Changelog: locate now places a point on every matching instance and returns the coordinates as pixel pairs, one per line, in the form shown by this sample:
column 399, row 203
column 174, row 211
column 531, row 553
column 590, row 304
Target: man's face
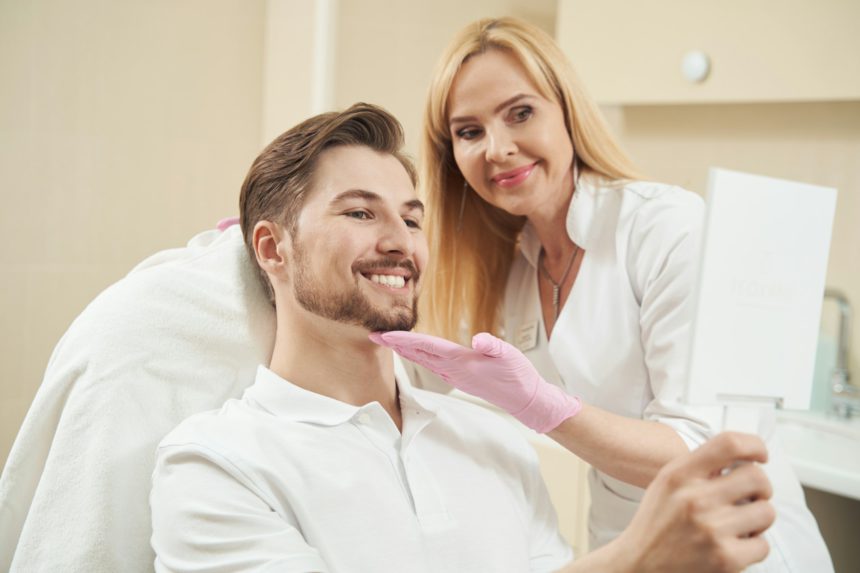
column 358, row 247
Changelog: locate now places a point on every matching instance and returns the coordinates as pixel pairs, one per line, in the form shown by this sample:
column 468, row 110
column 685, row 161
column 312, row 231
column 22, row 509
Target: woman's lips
column 513, row 177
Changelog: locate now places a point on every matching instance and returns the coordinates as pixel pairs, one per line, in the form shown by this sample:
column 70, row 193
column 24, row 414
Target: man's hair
column 281, row 176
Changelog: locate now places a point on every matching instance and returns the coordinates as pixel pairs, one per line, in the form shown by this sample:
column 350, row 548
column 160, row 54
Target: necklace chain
column 556, row 286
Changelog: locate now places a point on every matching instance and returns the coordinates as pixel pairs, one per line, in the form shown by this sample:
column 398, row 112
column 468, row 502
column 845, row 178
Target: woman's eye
column 522, row 113
column 412, row 223
column 468, row 133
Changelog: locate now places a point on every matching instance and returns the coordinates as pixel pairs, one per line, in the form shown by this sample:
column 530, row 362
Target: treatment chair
column 182, row 333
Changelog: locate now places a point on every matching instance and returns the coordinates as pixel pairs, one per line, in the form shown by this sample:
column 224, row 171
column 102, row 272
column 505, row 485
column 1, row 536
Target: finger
column 747, row 520
column 432, row 362
column 719, row 453
column 432, row 345
column 421, row 358
column 746, row 551
column 377, row 338
column 742, row 529
column 741, row 484
column 488, row 345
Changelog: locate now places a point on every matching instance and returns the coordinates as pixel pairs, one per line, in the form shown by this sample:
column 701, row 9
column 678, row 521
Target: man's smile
column 393, row 281
column 395, row 275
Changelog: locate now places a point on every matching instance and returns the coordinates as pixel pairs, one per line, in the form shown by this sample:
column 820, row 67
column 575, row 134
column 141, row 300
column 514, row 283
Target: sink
column 823, row 450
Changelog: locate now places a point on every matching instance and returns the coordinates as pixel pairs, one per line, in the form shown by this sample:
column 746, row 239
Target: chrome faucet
column 845, row 395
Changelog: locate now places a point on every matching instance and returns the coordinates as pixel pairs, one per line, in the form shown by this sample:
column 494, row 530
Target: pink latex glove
column 493, row 370
column 226, row 223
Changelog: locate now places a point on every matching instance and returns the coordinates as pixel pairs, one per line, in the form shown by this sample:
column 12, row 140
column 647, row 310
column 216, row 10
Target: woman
column 542, row 232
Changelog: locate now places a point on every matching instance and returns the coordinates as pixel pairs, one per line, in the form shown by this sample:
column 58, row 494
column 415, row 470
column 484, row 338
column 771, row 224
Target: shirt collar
column 286, row 400
column 409, row 396
column 581, row 223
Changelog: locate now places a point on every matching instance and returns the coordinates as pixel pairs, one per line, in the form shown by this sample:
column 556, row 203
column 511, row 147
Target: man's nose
column 500, row 145
column 397, row 238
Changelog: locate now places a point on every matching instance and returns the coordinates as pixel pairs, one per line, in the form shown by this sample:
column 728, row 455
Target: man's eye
column 358, row 214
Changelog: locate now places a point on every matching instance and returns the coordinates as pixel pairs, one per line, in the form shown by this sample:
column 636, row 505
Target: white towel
column 182, row 333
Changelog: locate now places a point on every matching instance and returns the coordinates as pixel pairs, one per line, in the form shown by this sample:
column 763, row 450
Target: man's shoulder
column 225, row 424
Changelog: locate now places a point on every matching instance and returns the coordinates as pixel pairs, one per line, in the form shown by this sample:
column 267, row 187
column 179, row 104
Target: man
column 330, row 462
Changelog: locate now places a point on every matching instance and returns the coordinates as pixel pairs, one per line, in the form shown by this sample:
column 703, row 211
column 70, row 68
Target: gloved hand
column 493, row 370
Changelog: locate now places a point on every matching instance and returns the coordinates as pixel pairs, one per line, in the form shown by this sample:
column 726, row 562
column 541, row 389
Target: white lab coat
column 621, row 341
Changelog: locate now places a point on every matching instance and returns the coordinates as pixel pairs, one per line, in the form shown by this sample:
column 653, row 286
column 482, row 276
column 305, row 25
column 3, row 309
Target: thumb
column 488, row 345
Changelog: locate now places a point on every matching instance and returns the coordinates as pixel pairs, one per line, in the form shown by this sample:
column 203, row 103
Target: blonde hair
column 472, row 242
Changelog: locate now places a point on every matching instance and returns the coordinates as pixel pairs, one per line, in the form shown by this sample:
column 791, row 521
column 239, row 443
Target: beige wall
column 387, row 49
column 125, row 128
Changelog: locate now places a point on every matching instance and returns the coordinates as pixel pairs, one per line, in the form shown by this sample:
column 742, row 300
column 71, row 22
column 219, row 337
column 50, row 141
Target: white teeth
column 389, row 280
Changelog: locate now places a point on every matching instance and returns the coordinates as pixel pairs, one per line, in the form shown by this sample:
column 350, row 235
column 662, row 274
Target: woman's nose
column 500, row 146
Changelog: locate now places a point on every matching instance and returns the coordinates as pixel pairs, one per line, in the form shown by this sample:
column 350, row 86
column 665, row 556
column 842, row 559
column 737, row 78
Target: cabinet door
column 759, row 50
column 566, row 478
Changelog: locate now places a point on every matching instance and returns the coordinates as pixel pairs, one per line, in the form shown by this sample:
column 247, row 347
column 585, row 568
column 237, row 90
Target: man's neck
column 335, row 360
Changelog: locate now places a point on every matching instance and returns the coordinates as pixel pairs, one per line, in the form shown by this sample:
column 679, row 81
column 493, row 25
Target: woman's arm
column 661, row 264
column 627, row 449
column 661, row 248
column 630, row 450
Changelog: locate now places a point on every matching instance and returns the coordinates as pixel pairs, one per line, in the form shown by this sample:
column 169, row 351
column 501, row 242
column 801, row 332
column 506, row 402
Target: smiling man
column 330, row 462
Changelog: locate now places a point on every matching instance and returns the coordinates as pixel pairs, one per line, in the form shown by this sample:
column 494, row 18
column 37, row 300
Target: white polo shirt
column 288, row 480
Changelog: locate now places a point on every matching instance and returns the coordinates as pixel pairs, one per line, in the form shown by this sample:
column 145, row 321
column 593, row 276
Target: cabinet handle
column 695, row 66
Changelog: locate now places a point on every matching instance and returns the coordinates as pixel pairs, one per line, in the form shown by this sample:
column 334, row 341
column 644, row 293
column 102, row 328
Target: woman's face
column 509, row 141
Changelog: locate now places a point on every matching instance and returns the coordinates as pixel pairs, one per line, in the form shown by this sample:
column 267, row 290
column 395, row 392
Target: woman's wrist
column 549, row 408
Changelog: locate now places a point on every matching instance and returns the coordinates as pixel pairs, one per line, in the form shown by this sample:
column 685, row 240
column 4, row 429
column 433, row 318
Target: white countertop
column 823, row 450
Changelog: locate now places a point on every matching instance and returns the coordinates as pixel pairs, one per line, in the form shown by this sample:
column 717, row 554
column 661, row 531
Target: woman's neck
column 550, row 226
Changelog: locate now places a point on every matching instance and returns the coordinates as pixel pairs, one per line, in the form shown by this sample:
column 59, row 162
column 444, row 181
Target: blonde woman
column 543, row 233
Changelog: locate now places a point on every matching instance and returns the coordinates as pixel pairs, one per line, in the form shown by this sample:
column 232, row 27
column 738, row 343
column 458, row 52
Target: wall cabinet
column 756, row 50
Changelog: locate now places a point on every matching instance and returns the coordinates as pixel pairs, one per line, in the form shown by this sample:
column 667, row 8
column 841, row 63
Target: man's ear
column 269, row 240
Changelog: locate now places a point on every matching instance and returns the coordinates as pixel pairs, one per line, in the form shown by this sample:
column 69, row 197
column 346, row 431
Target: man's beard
column 353, row 306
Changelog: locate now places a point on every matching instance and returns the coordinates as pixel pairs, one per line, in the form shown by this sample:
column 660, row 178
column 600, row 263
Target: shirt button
column 364, row 419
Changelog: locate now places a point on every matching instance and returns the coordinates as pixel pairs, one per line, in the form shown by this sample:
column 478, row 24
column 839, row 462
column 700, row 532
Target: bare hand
column 704, row 511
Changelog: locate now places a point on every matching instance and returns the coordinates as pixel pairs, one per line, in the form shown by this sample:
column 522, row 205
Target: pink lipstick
column 513, row 177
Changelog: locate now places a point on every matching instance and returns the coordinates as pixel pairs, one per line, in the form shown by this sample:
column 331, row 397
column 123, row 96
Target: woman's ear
column 268, row 239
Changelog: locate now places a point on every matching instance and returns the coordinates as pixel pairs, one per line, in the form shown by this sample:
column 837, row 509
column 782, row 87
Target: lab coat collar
column 286, row 400
column 581, row 223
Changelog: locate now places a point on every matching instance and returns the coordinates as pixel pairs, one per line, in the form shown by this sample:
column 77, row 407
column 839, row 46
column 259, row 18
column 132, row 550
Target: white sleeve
column 207, row 516
column 662, row 262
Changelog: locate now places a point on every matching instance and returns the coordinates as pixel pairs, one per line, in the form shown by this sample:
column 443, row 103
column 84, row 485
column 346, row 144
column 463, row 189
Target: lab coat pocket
column 613, row 504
